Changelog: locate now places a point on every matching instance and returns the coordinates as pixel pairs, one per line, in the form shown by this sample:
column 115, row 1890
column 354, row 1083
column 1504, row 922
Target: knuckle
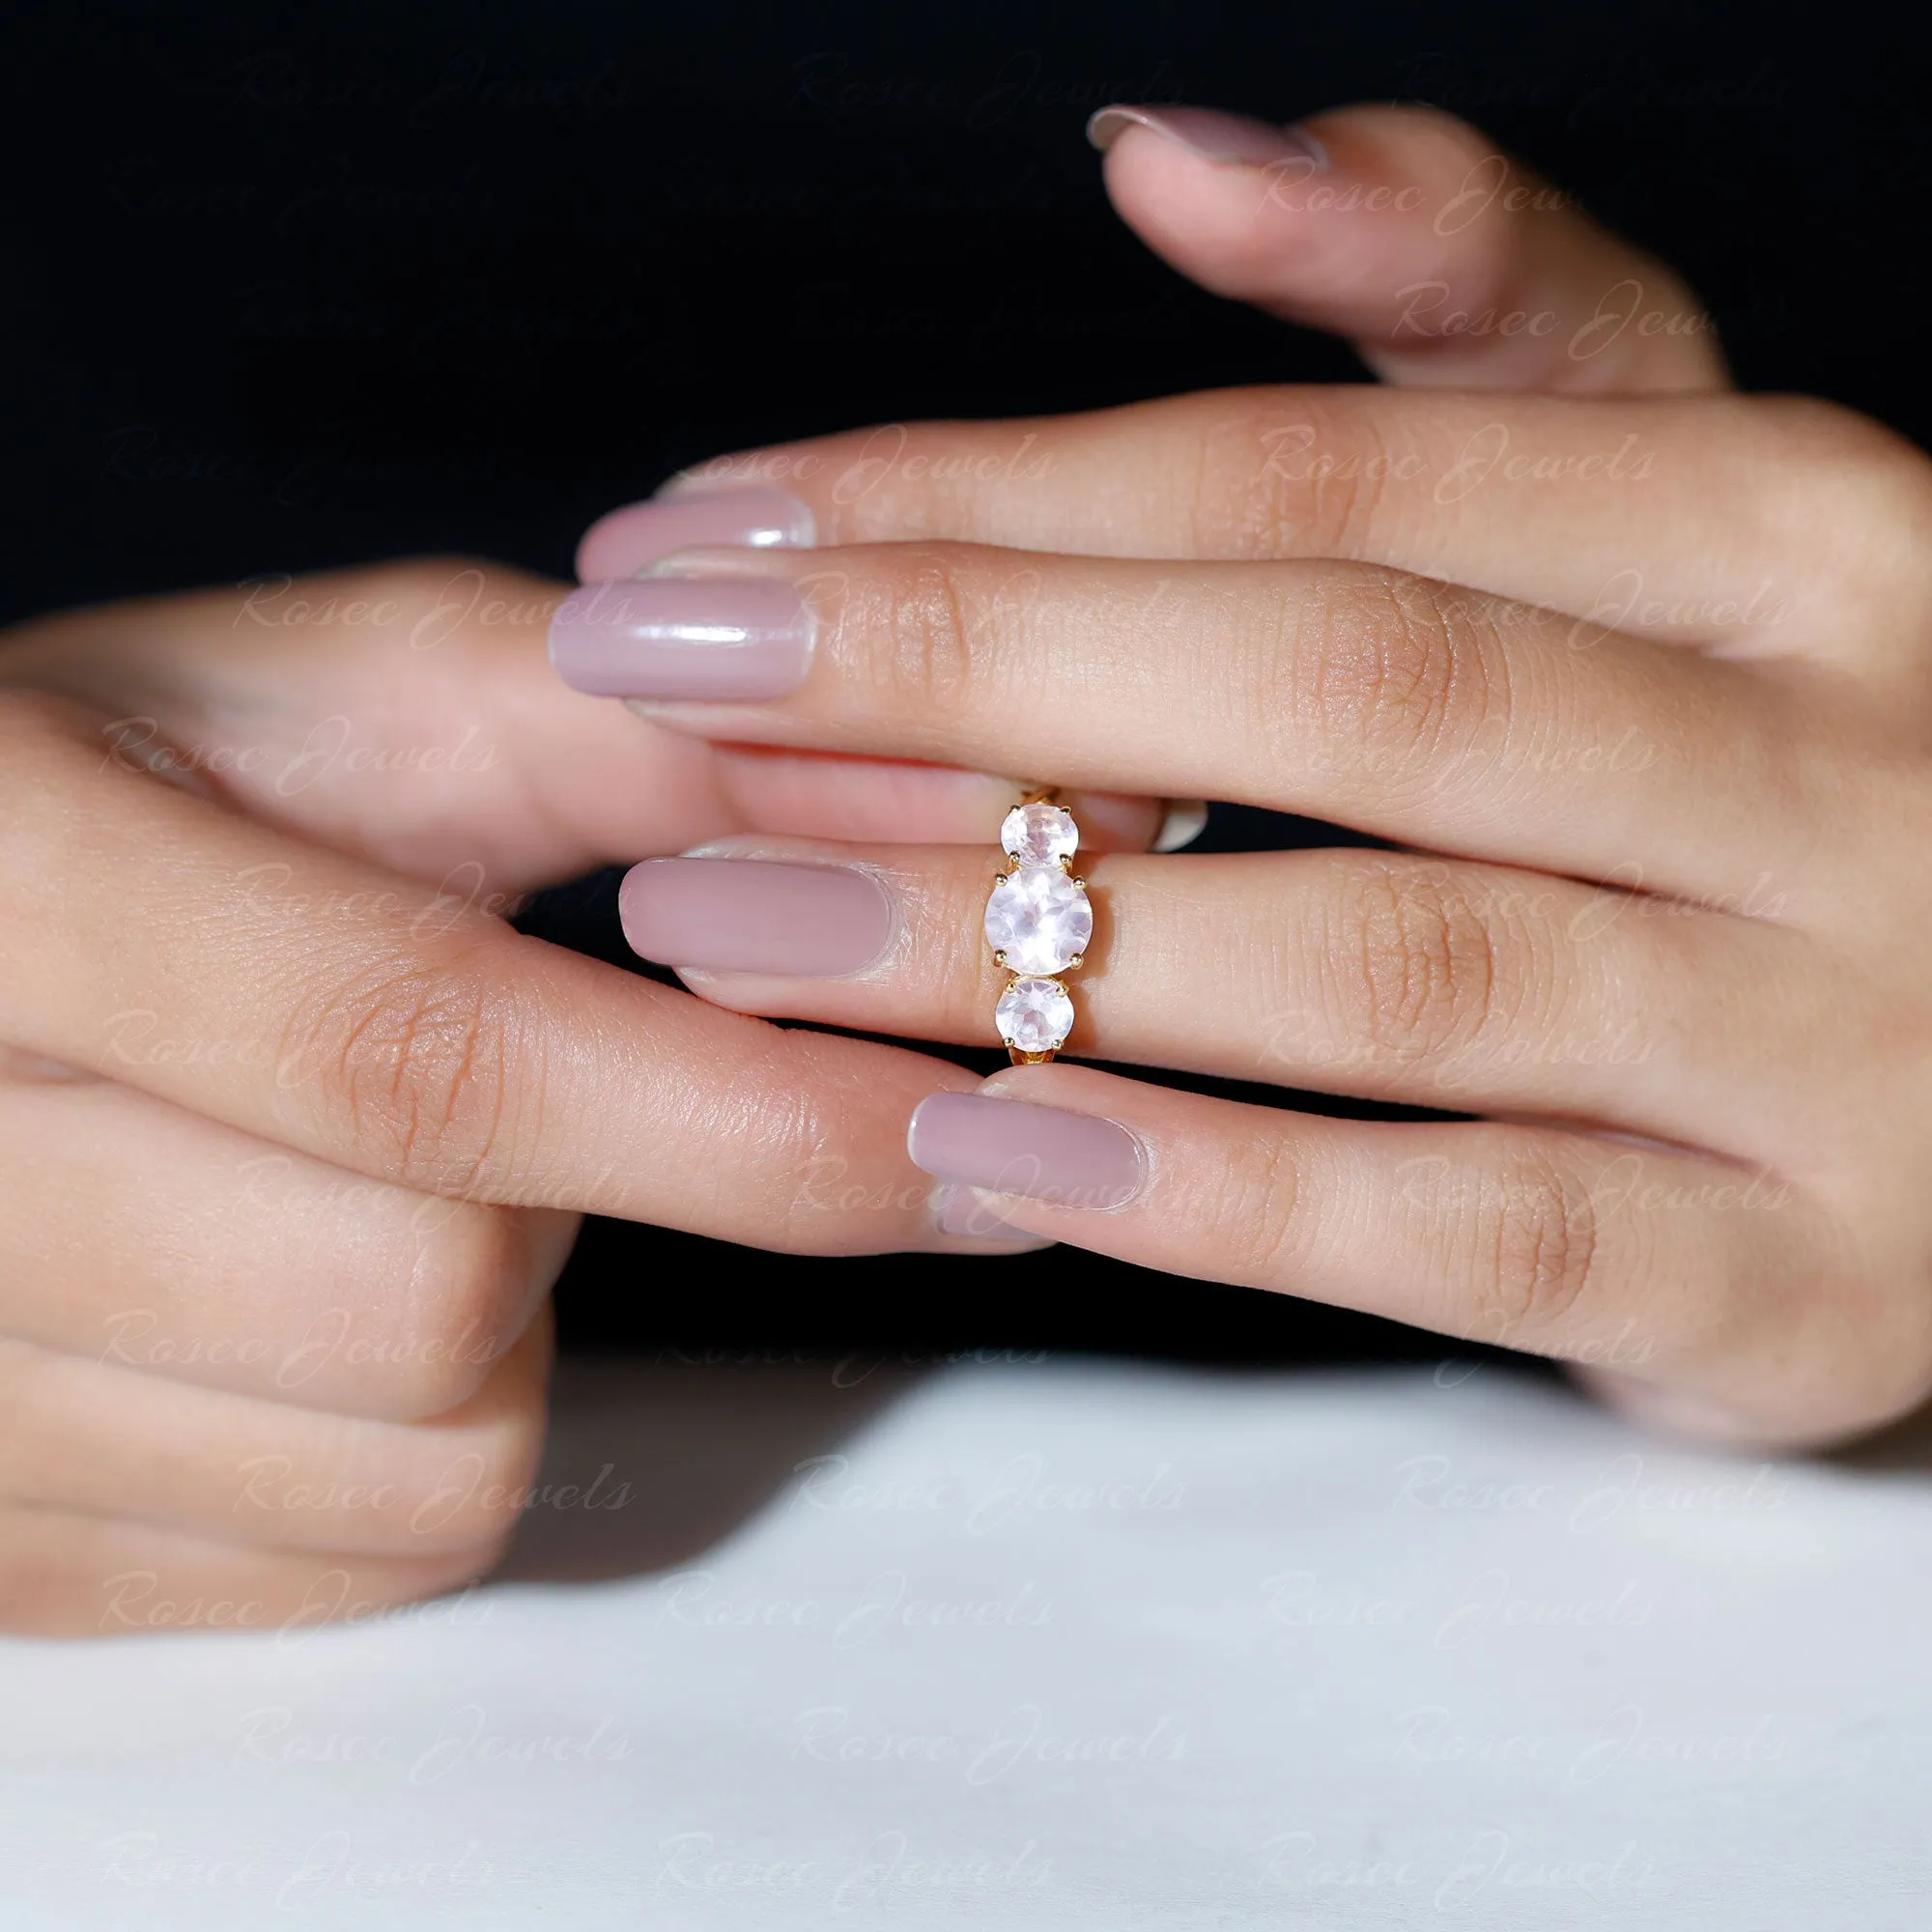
column 798, row 1189
column 1286, row 473
column 1539, row 1250
column 916, row 631
column 1865, row 483
column 1256, row 1211
column 1414, row 683
column 464, row 1309
column 1872, row 1359
column 1411, row 965
column 426, row 1062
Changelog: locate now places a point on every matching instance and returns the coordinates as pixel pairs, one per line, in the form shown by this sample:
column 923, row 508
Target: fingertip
column 1319, row 221
column 1211, row 135
column 1214, row 195
column 1409, row 232
column 974, row 1220
column 1115, row 821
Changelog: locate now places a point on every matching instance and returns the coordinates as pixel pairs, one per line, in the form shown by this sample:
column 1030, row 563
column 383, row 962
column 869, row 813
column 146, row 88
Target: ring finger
column 1385, row 976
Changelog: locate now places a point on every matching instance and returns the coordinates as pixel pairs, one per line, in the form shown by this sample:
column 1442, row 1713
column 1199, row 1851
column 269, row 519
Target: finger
column 1387, row 975
column 1394, row 704
column 151, row 1242
column 1446, row 263
column 1679, row 518
column 1698, row 1274
column 356, row 1017
column 68, row 1575
column 406, row 715
column 1671, row 1411
column 107, row 1441
column 771, row 786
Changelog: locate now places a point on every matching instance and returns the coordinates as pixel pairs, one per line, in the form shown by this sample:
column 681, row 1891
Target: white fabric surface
column 1051, row 1646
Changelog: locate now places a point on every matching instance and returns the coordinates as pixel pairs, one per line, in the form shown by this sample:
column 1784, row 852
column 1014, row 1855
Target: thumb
column 1445, row 263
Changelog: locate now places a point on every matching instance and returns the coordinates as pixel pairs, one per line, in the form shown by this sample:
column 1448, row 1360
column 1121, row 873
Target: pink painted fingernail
column 1013, row 1147
column 1232, row 140
column 629, row 539
column 755, row 916
column 698, row 639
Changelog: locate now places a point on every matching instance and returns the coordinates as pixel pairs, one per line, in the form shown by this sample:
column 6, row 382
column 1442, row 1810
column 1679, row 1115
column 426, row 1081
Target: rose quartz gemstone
column 1039, row 919
column 1039, row 834
column 1034, row 1016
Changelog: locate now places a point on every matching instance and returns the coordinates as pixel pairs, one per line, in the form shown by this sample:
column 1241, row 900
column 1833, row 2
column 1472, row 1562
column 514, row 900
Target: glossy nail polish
column 632, row 539
column 700, row 640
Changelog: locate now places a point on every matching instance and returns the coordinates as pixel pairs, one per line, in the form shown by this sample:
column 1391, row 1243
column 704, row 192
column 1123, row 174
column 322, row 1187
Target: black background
column 284, row 287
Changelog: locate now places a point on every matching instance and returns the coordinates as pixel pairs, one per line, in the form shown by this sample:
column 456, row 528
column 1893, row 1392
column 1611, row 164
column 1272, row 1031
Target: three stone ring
column 1039, row 922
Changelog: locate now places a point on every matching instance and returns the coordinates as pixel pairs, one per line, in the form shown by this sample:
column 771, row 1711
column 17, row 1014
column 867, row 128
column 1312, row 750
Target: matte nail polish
column 630, row 540
column 1013, row 1147
column 755, row 916
column 1232, row 140
column 695, row 638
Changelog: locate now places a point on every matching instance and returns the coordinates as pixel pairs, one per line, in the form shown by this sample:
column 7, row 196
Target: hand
column 1634, row 688
column 296, row 1130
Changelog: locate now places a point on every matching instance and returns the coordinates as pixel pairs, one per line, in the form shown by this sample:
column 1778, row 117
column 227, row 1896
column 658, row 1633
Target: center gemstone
column 1040, row 919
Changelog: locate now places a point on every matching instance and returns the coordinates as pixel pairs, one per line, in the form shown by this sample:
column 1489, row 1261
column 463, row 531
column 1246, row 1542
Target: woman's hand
column 296, row 1130
column 1638, row 692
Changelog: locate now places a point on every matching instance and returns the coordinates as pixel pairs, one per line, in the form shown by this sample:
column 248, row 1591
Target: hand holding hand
column 1634, row 688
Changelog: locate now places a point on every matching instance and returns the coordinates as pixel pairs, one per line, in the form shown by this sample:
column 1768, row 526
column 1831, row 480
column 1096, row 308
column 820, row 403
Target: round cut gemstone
column 1039, row 919
column 1039, row 834
column 1034, row 1016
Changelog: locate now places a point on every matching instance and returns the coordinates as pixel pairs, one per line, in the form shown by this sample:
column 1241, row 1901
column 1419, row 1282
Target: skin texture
column 1632, row 674
column 297, row 1129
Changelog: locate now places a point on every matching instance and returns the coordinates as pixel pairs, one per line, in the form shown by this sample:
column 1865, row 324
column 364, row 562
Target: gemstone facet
column 1039, row 834
column 1033, row 1015
column 1039, row 919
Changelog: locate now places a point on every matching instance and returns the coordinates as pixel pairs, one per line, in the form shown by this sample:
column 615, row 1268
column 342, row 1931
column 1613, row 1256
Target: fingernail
column 961, row 1211
column 1232, row 140
column 1185, row 821
column 700, row 638
column 754, row 916
column 1111, row 821
column 625, row 542
column 1013, row 1147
